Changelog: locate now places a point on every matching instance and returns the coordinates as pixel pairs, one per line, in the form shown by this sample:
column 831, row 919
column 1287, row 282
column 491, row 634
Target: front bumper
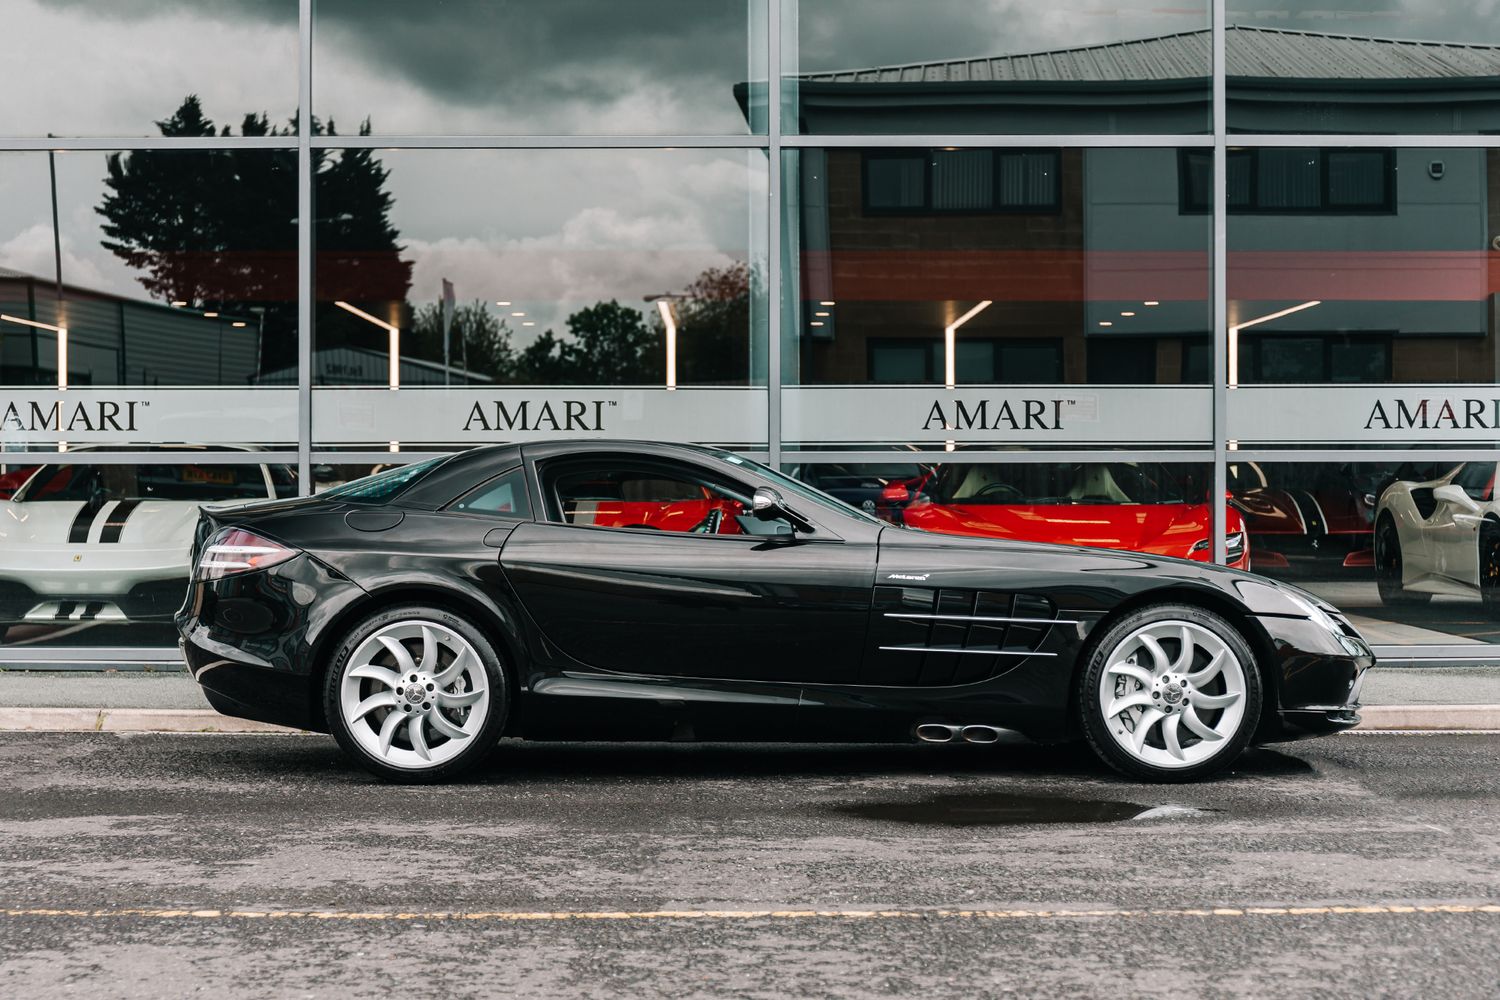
column 251, row 640
column 1316, row 678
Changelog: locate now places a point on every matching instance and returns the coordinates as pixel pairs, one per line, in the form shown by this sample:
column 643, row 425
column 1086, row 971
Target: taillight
column 235, row 550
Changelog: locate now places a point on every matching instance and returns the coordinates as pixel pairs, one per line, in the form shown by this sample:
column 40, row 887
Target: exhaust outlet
column 937, row 732
column 980, row 734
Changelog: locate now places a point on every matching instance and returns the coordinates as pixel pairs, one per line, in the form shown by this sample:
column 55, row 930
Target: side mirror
column 1454, row 494
column 766, row 504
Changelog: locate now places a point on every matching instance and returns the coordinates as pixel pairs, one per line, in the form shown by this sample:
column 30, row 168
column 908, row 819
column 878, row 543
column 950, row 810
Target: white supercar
column 111, row 542
column 1440, row 537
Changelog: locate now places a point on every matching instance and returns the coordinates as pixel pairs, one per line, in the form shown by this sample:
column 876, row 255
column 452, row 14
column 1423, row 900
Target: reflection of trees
column 217, row 228
column 606, row 343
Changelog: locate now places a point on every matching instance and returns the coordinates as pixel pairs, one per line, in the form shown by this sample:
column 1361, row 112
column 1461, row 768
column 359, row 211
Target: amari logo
column 1434, row 414
column 84, row 415
column 530, row 415
column 1020, row 415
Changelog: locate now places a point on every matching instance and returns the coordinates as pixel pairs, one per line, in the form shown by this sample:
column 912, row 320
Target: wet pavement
column 266, row 866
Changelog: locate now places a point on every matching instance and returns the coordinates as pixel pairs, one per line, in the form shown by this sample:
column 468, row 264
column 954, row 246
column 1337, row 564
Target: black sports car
column 632, row 590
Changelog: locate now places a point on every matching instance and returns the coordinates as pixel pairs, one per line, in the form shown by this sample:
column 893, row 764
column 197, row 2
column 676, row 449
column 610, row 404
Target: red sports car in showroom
column 1135, row 506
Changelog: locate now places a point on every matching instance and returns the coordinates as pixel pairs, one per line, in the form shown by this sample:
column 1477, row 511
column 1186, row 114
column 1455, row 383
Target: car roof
column 537, row 450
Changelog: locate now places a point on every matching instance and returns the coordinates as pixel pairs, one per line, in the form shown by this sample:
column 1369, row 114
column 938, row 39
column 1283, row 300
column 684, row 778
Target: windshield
column 195, row 483
column 382, row 485
column 798, row 488
column 1049, row 483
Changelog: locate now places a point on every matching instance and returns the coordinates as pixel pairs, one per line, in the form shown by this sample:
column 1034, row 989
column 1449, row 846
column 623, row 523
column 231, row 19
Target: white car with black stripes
column 110, row 542
column 1441, row 536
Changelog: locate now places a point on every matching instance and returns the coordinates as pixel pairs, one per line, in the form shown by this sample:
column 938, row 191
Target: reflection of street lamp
column 62, row 353
column 395, row 340
column 666, row 305
column 260, row 338
column 394, row 348
column 1234, row 336
column 950, row 343
column 62, row 344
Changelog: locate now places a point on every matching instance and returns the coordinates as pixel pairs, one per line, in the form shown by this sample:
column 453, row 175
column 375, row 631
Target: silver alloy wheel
column 414, row 694
column 1172, row 694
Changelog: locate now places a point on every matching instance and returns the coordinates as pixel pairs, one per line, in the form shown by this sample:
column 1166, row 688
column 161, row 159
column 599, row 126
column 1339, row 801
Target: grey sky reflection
column 569, row 224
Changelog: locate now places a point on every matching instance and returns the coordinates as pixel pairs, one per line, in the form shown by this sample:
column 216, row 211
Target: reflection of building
column 1276, row 80
column 113, row 340
column 365, row 366
column 905, row 244
column 1093, row 265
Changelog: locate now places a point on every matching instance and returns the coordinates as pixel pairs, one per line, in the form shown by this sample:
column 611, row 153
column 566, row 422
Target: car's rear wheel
column 1388, row 568
column 416, row 694
column 1171, row 693
column 1489, row 567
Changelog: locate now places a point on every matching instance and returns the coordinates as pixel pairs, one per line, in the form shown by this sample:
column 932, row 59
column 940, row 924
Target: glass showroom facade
column 1189, row 280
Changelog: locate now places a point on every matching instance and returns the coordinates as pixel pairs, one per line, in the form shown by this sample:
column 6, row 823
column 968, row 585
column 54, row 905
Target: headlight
column 1315, row 613
column 1234, row 545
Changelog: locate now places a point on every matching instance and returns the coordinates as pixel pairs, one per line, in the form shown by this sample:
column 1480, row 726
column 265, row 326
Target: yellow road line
column 514, row 916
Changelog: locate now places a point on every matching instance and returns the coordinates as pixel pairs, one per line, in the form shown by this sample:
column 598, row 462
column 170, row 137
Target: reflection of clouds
column 113, row 68
column 555, row 67
column 555, row 231
column 561, row 66
column 849, row 34
column 31, row 251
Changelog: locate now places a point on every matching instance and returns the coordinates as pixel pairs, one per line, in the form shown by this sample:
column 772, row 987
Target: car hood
column 45, row 524
column 1161, row 529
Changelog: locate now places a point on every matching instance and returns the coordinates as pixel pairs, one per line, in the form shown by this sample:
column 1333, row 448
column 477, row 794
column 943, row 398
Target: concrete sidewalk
column 1397, row 698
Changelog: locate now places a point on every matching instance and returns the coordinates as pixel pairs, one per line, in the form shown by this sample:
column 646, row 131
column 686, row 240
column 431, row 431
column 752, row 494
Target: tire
column 1388, row 568
column 421, row 731
column 1489, row 567
column 1208, row 705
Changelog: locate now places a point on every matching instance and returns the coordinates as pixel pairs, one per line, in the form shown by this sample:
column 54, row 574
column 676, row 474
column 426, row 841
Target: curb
column 1379, row 718
column 1375, row 719
column 128, row 720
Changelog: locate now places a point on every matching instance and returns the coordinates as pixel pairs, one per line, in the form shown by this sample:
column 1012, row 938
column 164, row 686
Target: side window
column 503, row 496
column 656, row 498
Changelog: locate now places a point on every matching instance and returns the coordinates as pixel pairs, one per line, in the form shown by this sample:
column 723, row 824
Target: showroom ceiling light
column 1234, row 336
column 950, row 341
column 502, row 303
column 179, row 303
column 210, row 315
column 1105, row 322
column 238, row 324
column 827, row 302
column 1127, row 313
column 1151, row 302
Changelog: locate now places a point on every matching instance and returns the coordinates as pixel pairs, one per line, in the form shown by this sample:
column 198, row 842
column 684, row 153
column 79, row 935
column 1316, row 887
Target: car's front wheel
column 1170, row 693
column 416, row 694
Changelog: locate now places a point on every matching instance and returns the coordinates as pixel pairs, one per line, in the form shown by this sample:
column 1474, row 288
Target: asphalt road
column 151, row 866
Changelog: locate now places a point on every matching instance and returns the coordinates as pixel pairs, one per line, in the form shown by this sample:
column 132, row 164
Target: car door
column 643, row 565
column 1453, row 529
